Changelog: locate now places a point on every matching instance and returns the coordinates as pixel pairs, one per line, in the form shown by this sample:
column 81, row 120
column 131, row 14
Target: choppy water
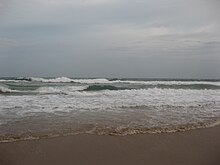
column 36, row 107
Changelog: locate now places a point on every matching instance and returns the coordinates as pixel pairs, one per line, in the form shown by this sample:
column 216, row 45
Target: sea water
column 40, row 107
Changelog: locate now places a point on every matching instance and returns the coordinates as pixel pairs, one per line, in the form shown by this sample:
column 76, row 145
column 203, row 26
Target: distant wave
column 65, row 85
column 184, row 86
column 7, row 80
column 110, row 81
column 167, row 82
column 55, row 80
column 103, row 87
column 70, row 89
column 62, row 80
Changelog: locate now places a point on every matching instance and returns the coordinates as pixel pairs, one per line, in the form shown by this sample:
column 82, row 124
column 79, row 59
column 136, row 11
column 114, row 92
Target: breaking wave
column 103, row 87
column 65, row 80
column 112, row 81
column 61, row 90
column 70, row 89
column 6, row 90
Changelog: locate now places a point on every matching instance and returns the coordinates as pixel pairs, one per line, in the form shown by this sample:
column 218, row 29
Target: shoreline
column 120, row 132
column 196, row 147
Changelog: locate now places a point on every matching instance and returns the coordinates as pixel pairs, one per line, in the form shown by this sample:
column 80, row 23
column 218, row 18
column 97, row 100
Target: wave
column 60, row 90
column 3, row 80
column 168, row 82
column 64, row 80
column 92, row 81
column 69, row 80
column 33, row 85
column 161, row 86
column 30, row 90
column 100, row 89
column 55, row 80
column 106, row 81
column 124, row 131
column 184, row 86
column 6, row 90
column 111, row 81
column 103, row 87
column 109, row 130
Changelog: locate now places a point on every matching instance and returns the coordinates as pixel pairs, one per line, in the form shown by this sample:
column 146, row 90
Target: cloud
column 85, row 30
column 140, row 39
column 10, row 42
column 77, row 2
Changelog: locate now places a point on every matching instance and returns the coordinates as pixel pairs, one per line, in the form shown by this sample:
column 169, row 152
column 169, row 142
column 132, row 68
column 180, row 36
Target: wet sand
column 195, row 147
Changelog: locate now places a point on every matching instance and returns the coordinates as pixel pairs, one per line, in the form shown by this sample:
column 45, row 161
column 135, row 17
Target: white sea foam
column 60, row 89
column 46, row 90
column 6, row 90
column 135, row 108
column 55, row 80
column 68, row 80
column 167, row 82
column 111, row 100
column 93, row 81
column 2, row 80
column 106, row 81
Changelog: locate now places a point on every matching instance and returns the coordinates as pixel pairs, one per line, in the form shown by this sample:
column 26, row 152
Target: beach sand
column 195, row 147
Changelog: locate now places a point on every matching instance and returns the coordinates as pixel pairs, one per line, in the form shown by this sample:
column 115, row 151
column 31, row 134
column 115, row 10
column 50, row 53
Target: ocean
column 32, row 108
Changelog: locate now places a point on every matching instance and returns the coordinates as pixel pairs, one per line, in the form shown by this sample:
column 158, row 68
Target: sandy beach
column 195, row 147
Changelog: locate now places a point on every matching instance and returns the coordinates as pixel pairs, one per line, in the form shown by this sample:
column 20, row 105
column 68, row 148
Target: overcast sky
column 110, row 38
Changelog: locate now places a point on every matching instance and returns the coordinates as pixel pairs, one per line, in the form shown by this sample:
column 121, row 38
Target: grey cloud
column 143, row 38
column 8, row 42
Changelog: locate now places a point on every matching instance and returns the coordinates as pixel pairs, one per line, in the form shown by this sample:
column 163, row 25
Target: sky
column 110, row 38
